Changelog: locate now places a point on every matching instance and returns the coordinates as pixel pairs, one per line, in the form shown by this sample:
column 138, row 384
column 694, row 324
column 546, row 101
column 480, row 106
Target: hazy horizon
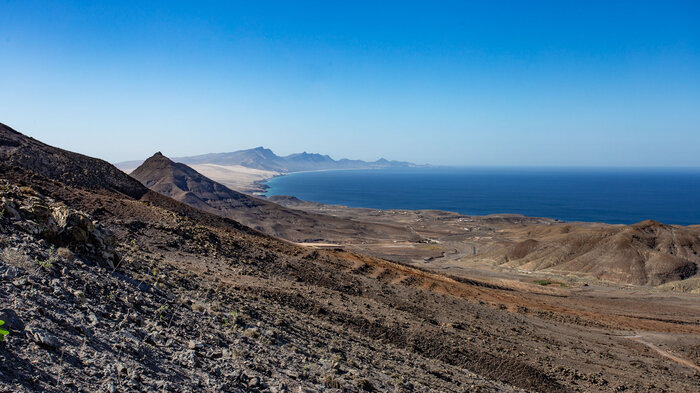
column 540, row 84
column 464, row 166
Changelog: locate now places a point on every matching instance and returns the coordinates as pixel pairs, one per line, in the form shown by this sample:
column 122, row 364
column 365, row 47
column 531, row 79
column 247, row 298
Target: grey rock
column 92, row 319
column 8, row 273
column 35, row 211
column 66, row 217
column 13, row 323
column 194, row 345
column 43, row 338
column 188, row 359
column 281, row 388
column 121, row 369
column 128, row 336
column 12, row 212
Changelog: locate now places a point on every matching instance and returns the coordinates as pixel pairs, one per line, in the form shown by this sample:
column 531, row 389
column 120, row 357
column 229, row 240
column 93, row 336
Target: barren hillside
column 108, row 286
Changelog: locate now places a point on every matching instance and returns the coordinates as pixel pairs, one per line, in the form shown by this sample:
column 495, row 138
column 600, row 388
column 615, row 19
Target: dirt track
column 664, row 353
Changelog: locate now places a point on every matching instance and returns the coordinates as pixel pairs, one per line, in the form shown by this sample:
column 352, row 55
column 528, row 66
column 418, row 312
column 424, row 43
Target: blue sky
column 556, row 83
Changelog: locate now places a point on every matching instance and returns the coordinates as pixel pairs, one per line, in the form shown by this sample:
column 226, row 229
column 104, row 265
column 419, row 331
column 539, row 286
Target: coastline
column 261, row 185
column 561, row 195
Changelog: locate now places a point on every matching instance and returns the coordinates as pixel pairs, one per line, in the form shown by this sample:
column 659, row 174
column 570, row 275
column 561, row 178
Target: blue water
column 616, row 196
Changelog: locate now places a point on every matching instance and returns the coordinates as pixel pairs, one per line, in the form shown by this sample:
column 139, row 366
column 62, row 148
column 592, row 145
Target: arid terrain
column 235, row 177
column 184, row 184
column 647, row 253
column 106, row 285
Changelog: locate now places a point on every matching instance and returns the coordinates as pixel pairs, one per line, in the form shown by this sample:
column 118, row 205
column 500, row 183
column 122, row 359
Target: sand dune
column 235, row 177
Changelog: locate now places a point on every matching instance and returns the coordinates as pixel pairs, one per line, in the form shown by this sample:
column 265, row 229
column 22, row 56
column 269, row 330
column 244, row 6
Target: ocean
column 615, row 196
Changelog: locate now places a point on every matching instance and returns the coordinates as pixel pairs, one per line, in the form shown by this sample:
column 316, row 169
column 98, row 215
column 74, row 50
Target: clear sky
column 609, row 83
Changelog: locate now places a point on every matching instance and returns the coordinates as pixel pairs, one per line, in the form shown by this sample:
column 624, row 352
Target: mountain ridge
column 265, row 159
column 21, row 151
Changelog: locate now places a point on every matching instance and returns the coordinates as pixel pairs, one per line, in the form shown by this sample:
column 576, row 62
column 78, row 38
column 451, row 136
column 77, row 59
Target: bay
column 616, row 196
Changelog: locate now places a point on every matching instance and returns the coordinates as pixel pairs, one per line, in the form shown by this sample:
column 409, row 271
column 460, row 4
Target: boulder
column 68, row 218
column 13, row 323
column 43, row 338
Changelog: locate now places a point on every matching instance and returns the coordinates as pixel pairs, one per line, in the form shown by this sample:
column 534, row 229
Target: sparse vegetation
column 15, row 258
column 430, row 247
column 366, row 385
column 48, row 263
column 231, row 320
column 331, row 382
column 3, row 332
column 547, row 283
column 251, row 333
column 66, row 253
column 161, row 310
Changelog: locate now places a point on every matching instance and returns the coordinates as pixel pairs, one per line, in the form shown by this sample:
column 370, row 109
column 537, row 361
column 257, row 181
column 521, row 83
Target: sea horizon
column 607, row 194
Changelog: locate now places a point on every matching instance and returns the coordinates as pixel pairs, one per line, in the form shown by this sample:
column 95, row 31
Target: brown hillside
column 647, row 253
column 193, row 301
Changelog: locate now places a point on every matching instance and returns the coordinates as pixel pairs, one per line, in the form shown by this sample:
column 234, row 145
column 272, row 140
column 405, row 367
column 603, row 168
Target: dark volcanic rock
column 13, row 323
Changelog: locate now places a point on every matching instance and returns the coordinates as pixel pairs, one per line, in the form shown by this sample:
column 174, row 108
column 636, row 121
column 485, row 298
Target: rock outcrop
column 37, row 215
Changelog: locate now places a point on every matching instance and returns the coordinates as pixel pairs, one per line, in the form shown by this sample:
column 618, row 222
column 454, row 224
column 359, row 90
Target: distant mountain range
column 184, row 184
column 262, row 158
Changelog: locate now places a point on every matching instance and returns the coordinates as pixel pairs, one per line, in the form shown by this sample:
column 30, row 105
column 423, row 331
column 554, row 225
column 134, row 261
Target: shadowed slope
column 71, row 168
column 184, row 184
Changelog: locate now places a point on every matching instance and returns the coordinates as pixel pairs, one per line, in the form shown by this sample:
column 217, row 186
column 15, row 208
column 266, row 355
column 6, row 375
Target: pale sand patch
column 235, row 177
column 127, row 170
column 318, row 244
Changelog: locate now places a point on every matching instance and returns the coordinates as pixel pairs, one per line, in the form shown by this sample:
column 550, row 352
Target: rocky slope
column 80, row 322
column 194, row 302
column 138, row 292
column 19, row 151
